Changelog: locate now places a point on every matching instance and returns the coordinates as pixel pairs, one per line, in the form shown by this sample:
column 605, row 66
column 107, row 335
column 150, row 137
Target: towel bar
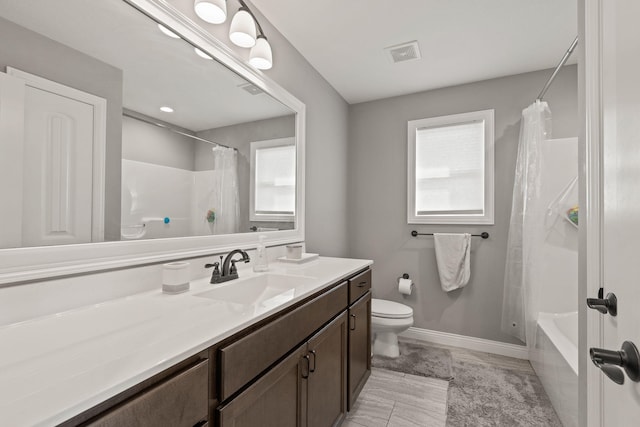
column 484, row 234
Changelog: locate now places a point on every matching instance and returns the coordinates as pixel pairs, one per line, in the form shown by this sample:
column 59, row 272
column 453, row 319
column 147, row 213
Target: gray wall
column 148, row 143
column 46, row 58
column 377, row 192
column 326, row 135
column 240, row 136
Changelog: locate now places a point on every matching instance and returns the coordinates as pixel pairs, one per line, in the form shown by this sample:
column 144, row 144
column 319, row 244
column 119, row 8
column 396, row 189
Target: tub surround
column 57, row 366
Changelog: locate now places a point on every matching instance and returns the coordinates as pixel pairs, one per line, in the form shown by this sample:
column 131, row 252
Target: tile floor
column 395, row 399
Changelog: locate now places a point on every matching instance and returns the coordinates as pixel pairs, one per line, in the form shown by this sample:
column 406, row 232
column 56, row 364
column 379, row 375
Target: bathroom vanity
column 286, row 348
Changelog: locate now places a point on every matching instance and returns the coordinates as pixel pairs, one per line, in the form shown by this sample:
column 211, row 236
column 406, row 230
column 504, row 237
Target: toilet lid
column 390, row 309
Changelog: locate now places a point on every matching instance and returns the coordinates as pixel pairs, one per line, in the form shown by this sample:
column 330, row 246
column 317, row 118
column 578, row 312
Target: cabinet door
column 275, row 400
column 327, row 382
column 359, row 346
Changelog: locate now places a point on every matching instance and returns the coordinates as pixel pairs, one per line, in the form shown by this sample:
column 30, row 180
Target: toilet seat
column 390, row 309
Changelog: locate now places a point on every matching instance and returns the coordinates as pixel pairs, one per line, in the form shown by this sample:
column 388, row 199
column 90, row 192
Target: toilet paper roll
column 405, row 286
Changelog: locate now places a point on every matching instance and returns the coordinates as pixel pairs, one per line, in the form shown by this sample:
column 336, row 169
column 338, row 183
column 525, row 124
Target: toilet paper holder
column 404, row 276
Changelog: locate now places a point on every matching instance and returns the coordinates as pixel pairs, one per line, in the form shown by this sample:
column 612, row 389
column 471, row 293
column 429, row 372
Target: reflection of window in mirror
column 273, row 180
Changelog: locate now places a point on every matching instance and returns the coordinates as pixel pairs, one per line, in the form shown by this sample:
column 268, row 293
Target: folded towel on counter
column 453, row 255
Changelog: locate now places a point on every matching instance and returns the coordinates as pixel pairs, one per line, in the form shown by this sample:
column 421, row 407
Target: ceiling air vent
column 404, row 52
column 251, row 88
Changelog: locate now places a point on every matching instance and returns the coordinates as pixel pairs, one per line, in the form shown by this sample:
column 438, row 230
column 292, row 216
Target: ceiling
column 157, row 70
column 461, row 41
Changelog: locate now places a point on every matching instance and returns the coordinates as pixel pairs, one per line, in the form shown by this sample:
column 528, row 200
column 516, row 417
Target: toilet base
column 386, row 344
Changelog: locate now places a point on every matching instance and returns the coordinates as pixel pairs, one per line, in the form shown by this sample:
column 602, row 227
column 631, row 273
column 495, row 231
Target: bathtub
column 555, row 360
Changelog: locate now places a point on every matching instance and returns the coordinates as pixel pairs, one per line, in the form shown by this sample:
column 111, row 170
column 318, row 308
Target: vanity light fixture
column 201, row 54
column 211, row 11
column 260, row 55
column 168, row 32
column 244, row 31
column 166, row 109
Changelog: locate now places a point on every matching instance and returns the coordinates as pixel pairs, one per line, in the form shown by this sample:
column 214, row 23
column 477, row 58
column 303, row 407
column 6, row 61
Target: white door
column 620, row 246
column 61, row 200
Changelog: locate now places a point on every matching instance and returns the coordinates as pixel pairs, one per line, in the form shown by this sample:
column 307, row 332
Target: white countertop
column 55, row 367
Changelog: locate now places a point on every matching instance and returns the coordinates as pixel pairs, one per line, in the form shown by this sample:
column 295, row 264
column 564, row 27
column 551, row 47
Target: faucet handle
column 233, row 269
column 215, row 276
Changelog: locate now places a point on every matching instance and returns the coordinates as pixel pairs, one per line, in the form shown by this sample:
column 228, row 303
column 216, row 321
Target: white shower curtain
column 526, row 229
column 226, row 203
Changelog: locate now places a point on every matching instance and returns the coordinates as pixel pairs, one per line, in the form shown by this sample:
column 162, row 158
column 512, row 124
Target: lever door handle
column 607, row 305
column 610, row 362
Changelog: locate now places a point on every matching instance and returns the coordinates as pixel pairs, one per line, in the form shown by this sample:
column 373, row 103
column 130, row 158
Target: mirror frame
column 37, row 263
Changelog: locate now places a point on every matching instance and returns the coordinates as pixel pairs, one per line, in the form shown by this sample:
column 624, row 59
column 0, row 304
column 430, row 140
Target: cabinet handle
column 314, row 361
column 362, row 284
column 306, row 375
column 353, row 316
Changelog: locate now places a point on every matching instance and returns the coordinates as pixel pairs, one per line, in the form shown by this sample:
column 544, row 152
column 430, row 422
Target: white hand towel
column 453, row 254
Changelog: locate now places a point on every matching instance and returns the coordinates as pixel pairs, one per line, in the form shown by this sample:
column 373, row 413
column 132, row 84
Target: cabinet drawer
column 275, row 400
column 179, row 401
column 359, row 285
column 245, row 359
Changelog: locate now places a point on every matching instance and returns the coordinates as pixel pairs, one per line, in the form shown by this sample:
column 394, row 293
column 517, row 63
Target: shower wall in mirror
column 121, row 130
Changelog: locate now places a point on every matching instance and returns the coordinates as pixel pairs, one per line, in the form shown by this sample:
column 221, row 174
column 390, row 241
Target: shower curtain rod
column 555, row 72
column 148, row 120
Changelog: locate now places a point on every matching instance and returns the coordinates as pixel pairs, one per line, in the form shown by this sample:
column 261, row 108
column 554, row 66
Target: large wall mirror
column 129, row 135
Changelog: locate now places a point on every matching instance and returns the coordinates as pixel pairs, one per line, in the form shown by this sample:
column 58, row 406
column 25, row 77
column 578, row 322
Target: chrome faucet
column 229, row 269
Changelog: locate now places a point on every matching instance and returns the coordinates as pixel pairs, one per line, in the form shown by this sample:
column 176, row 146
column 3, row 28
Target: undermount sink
column 266, row 290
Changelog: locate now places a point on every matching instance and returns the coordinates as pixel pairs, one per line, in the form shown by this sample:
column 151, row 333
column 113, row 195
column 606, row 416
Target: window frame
column 257, row 145
column 487, row 217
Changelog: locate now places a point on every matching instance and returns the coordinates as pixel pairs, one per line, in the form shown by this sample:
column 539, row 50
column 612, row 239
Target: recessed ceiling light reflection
column 166, row 109
column 201, row 54
column 168, row 32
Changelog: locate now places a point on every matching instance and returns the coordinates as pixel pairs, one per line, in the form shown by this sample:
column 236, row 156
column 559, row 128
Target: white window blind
column 450, row 169
column 273, row 185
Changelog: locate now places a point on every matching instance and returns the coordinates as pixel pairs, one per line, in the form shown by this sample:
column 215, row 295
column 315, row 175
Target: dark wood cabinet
column 359, row 285
column 359, row 346
column 275, row 400
column 306, row 389
column 327, row 382
column 244, row 359
column 301, row 367
column 180, row 401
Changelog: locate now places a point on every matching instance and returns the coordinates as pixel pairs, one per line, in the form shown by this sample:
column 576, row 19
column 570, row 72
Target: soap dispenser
column 262, row 263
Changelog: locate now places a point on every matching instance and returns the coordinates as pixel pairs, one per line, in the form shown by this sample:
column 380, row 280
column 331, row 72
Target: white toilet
column 388, row 319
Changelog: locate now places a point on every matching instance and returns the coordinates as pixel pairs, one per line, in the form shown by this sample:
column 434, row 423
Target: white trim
column 486, row 116
column 24, row 264
column 590, row 271
column 99, row 140
column 471, row 343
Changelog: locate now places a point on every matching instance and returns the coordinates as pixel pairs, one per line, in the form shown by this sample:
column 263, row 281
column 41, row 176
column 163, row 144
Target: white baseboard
column 471, row 343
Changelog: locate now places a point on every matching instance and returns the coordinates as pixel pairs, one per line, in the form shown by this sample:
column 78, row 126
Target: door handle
column 610, row 362
column 353, row 316
column 607, row 305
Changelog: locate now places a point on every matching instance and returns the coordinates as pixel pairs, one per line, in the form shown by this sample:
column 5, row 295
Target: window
column 450, row 175
column 273, row 180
